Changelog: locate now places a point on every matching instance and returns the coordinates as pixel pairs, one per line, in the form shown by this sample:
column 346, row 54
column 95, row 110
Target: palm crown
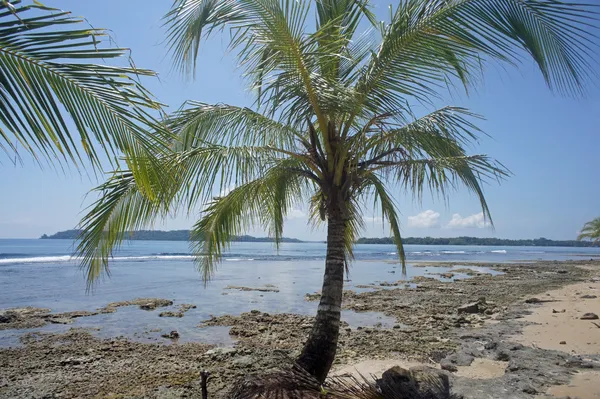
column 591, row 231
column 332, row 124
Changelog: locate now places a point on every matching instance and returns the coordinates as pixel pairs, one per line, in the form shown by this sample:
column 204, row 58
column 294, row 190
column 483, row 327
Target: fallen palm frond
column 295, row 383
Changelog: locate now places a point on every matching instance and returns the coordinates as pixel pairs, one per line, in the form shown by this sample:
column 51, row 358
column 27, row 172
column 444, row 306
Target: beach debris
column 172, row 335
column 596, row 324
column 563, row 342
column 587, row 296
column 557, row 311
column 589, row 316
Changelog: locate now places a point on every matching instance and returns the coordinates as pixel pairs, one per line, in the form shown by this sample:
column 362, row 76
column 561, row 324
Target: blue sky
column 550, row 143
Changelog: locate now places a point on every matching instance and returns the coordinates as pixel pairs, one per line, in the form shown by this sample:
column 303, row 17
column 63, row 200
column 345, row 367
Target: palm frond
column 388, row 212
column 590, row 231
column 429, row 43
column 431, row 134
column 441, row 174
column 121, row 207
column 48, row 80
column 198, row 123
column 190, row 21
column 262, row 202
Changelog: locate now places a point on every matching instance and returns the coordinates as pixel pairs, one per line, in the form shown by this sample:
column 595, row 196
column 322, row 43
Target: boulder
column 469, row 308
column 418, row 382
column 447, row 365
column 460, row 359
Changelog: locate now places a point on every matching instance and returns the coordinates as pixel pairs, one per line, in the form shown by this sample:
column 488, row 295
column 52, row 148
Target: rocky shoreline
column 452, row 325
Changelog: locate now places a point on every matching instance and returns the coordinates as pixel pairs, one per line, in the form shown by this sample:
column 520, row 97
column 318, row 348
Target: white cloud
column 425, row 219
column 474, row 221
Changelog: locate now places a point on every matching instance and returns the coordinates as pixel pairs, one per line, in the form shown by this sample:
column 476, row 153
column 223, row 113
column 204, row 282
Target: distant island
column 184, row 235
column 536, row 242
column 159, row 235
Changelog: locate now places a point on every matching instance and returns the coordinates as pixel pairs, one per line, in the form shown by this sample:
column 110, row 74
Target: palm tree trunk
column 319, row 351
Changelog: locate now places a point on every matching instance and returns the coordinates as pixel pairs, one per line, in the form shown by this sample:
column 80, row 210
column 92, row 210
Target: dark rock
column 8, row 317
column 561, row 271
column 170, row 314
column 422, row 381
column 461, row 359
column 447, row 365
column 556, row 311
column 563, row 342
column 533, row 300
column 589, row 316
column 589, row 297
column 530, row 390
column 490, row 345
column 172, row 335
column 503, row 357
column 469, row 308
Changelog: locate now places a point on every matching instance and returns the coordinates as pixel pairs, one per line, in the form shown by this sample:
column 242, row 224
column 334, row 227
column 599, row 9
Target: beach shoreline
column 486, row 349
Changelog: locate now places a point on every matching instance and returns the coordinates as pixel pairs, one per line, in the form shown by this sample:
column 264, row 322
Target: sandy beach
column 558, row 325
column 484, row 332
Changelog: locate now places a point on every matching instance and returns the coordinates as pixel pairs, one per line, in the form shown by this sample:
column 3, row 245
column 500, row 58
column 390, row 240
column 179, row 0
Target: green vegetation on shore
column 184, row 235
column 536, row 242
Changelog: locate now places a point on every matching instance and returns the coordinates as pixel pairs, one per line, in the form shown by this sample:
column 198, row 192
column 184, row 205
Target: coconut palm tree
column 58, row 100
column 333, row 124
column 590, row 231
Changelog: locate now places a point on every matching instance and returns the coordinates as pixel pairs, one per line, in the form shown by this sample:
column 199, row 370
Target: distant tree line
column 537, row 242
column 159, row 235
column 184, row 235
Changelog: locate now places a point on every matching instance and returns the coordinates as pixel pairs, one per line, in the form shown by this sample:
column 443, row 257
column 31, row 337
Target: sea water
column 43, row 273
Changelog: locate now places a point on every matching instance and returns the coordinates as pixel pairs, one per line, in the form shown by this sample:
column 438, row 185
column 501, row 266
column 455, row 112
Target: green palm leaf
column 48, row 81
column 591, row 231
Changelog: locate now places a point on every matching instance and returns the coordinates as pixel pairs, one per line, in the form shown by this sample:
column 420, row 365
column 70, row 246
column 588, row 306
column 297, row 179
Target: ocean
column 43, row 273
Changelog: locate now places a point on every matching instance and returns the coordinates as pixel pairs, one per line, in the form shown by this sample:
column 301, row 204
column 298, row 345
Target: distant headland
column 160, row 235
column 184, row 235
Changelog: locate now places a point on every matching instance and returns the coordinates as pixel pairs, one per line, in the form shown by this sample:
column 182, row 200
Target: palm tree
column 590, row 231
column 50, row 79
column 332, row 125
